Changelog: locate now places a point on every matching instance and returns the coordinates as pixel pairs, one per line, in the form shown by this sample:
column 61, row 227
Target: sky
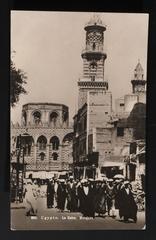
column 48, row 48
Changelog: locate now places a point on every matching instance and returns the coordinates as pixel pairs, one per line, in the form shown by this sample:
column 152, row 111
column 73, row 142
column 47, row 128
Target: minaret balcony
column 94, row 25
column 92, row 85
column 138, row 82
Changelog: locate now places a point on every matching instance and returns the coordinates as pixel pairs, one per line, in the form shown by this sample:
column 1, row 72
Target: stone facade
column 48, row 124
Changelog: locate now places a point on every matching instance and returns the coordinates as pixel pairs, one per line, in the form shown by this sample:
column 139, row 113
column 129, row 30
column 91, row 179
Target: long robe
column 128, row 206
column 87, row 206
column 117, row 195
column 100, row 201
column 31, row 199
column 72, row 204
column 61, row 196
column 50, row 195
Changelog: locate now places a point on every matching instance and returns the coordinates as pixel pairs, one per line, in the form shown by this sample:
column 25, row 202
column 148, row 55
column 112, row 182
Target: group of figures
column 90, row 197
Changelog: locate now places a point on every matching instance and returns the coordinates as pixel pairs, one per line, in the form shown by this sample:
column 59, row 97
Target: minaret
column 138, row 83
column 93, row 60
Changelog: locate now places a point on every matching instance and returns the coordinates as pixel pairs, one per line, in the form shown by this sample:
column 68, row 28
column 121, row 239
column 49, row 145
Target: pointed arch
column 53, row 117
column 68, row 138
column 36, row 117
column 42, row 142
column 55, row 142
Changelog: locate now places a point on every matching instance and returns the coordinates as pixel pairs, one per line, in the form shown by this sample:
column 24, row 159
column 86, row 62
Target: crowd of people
column 92, row 198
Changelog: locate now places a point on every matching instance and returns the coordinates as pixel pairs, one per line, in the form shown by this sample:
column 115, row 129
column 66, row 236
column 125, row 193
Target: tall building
column 125, row 104
column 92, row 144
column 51, row 147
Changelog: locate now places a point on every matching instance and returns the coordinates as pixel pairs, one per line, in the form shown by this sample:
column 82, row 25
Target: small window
column 122, row 104
column 106, row 112
column 120, row 131
column 55, row 156
column 94, row 46
column 42, row 156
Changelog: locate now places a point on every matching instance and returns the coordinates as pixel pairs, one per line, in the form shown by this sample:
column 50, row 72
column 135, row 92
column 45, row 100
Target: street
column 52, row 219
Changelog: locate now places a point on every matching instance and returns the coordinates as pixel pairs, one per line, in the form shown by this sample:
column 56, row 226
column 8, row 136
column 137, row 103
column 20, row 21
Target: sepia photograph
column 78, row 85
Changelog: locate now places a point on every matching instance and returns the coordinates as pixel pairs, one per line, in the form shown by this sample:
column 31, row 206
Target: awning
column 41, row 174
column 51, row 174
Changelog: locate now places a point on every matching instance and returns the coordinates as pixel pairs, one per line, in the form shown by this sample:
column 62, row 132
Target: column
column 47, row 155
column 47, row 117
column 35, row 155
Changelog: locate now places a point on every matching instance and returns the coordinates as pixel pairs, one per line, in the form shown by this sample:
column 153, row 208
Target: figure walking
column 30, row 195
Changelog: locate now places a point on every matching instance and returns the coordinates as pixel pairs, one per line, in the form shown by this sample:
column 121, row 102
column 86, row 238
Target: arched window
column 55, row 143
column 42, row 156
column 42, row 141
column 55, row 156
column 53, row 118
column 37, row 117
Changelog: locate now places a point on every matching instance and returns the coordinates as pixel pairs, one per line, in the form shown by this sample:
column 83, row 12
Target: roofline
column 45, row 103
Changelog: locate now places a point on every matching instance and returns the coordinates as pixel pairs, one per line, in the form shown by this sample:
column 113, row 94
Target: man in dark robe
column 72, row 199
column 128, row 206
column 61, row 195
column 118, row 185
column 100, row 201
column 50, row 194
column 86, row 196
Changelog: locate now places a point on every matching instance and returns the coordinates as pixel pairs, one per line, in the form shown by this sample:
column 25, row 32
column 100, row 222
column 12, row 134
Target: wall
column 99, row 108
column 119, row 106
column 142, row 97
column 34, row 163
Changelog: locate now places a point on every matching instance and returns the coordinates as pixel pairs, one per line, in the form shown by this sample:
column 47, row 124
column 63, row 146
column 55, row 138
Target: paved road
column 52, row 219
